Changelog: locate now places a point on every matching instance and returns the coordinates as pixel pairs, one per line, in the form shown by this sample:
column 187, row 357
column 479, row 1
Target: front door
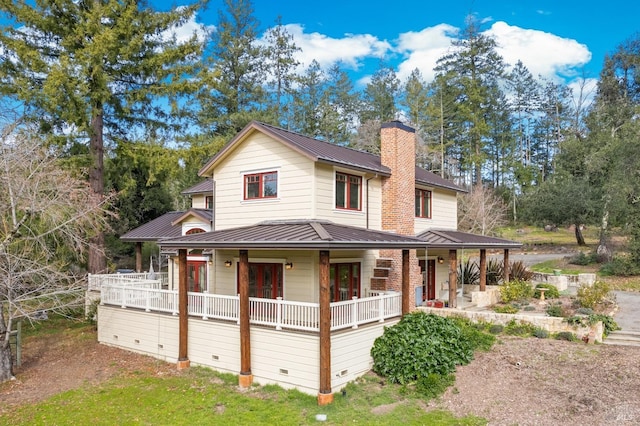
column 428, row 279
column 265, row 280
column 197, row 275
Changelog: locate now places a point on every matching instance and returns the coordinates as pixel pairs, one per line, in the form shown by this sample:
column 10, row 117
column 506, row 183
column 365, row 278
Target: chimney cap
column 397, row 124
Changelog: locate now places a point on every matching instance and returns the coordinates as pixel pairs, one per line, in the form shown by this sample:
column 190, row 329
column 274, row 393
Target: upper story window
column 261, row 185
column 348, row 191
column 195, row 231
column 208, row 202
column 423, row 203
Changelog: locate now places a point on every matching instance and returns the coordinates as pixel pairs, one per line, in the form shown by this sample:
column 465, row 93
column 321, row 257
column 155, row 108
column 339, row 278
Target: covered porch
column 321, row 320
column 445, row 244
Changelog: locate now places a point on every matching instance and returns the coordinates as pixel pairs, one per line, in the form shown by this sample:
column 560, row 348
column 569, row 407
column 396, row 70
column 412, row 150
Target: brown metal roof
column 326, row 152
column 204, row 187
column 296, row 234
column 162, row 227
column 457, row 239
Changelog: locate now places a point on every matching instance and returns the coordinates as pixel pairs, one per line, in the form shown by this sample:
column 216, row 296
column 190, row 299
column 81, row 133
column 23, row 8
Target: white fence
column 276, row 313
column 143, row 279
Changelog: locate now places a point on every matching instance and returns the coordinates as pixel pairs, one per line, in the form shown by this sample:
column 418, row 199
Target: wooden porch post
column 183, row 311
column 507, row 268
column 245, row 378
column 483, row 270
column 139, row 256
column 325, row 396
column 453, row 279
column 406, row 287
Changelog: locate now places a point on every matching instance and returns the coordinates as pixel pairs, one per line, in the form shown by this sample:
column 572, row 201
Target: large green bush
column 590, row 296
column 515, row 290
column 424, row 344
column 551, row 291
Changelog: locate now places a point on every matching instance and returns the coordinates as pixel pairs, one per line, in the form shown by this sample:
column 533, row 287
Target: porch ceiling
column 463, row 240
column 300, row 234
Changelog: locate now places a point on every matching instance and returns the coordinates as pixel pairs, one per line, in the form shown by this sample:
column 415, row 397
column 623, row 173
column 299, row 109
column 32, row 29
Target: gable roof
column 325, row 152
column 451, row 239
column 295, row 234
column 166, row 226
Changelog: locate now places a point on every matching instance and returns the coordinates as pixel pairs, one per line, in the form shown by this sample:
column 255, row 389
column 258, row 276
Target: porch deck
column 127, row 292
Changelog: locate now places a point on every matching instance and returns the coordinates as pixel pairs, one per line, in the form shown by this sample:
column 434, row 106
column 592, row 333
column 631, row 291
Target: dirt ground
column 519, row 382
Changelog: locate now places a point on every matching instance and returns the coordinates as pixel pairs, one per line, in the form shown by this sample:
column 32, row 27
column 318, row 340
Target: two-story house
column 294, row 256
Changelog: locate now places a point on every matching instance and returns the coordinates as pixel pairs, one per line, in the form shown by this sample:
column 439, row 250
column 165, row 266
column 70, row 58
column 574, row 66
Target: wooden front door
column 265, row 280
column 428, row 279
column 197, row 273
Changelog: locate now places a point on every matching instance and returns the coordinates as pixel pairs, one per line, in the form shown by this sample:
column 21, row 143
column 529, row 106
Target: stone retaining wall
column 550, row 324
column 563, row 282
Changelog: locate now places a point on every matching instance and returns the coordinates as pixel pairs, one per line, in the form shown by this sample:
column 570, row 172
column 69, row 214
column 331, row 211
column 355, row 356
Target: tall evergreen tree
column 95, row 69
column 476, row 69
column 380, row 97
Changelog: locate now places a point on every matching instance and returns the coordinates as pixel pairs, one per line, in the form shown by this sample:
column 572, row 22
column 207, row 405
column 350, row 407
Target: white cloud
column 184, row 32
column 423, row 48
column 349, row 50
column 542, row 53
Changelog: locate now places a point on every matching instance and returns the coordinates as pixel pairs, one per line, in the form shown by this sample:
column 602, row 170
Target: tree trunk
column 6, row 361
column 97, row 262
column 579, row 236
column 603, row 251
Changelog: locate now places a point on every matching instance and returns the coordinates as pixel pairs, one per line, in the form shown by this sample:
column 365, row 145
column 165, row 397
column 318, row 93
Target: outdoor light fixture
column 440, row 260
column 227, row 263
column 288, row 265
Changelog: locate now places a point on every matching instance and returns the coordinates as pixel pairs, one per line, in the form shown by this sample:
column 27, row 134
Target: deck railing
column 135, row 279
column 276, row 313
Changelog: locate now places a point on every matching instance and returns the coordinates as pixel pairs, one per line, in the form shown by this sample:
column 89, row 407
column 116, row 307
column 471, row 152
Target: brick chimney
column 398, row 153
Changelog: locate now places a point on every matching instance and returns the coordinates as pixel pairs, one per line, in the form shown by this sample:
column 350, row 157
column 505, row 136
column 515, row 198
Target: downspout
column 213, row 203
column 367, row 199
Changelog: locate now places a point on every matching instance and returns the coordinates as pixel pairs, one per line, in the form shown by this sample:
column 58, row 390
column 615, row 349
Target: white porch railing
column 134, row 279
column 276, row 313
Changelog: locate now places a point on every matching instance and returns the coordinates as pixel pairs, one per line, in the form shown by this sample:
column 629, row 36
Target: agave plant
column 518, row 271
column 495, row 271
column 468, row 271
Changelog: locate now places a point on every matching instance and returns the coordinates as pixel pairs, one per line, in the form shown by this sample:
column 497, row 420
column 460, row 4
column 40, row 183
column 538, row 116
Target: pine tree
column 95, row 69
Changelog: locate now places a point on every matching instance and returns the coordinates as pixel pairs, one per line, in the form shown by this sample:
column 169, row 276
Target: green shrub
column 556, row 311
column 515, row 290
column 419, row 345
column 584, row 311
column 496, row 328
column 529, row 308
column 522, row 328
column 608, row 323
column 583, row 259
column 590, row 296
column 505, row 309
column 551, row 291
column 566, row 335
column 540, row 333
column 622, row 266
column 518, row 271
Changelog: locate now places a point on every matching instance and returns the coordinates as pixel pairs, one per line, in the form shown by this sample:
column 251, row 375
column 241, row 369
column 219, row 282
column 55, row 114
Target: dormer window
column 261, row 185
column 348, row 191
column 209, row 202
column 423, row 203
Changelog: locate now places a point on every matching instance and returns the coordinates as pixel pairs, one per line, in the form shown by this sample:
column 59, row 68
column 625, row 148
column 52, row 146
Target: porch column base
column 245, row 380
column 325, row 398
column 183, row 364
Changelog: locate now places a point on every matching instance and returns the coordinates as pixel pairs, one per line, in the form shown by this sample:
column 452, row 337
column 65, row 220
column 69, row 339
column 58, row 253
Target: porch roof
column 295, row 234
column 163, row 226
column 445, row 238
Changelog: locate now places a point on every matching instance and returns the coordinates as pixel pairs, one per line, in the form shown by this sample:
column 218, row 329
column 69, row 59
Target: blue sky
column 561, row 40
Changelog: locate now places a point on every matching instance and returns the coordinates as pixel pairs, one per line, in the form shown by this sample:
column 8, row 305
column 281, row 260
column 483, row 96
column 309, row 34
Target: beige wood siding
column 260, row 153
column 325, row 199
column 444, row 212
column 139, row 331
column 214, row 344
column 199, row 201
column 351, row 353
